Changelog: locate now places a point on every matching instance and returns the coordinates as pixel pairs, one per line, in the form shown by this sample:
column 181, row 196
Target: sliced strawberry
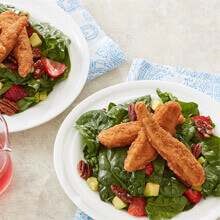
column 53, row 68
column 11, row 66
column 15, row 93
column 203, row 118
column 137, row 207
column 193, row 196
column 149, row 169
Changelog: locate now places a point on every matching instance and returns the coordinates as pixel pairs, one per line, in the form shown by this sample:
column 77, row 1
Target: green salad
column 50, row 56
column 156, row 191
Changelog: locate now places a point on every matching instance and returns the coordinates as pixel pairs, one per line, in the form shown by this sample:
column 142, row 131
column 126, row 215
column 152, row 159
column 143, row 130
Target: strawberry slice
column 15, row 93
column 137, row 207
column 149, row 169
column 53, row 68
column 193, row 196
column 203, row 118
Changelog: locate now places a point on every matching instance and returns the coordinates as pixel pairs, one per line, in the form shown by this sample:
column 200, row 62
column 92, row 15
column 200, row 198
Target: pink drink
column 5, row 170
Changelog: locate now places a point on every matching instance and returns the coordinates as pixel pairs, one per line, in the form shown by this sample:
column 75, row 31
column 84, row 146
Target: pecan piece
column 12, row 59
column 132, row 113
column 36, row 52
column 196, row 149
column 204, row 128
column 122, row 194
column 84, row 169
column 38, row 69
column 8, row 107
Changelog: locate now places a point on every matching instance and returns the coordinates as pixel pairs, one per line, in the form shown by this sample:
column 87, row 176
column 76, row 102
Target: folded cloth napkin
column 105, row 55
column 141, row 69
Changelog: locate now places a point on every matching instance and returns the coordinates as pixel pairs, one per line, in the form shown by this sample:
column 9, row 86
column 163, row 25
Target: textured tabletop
column 173, row 32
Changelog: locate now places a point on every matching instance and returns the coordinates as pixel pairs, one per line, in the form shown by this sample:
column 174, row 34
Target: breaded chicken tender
column 168, row 115
column 139, row 154
column 117, row 135
column 2, row 50
column 22, row 50
column 120, row 135
column 180, row 120
column 179, row 159
column 9, row 36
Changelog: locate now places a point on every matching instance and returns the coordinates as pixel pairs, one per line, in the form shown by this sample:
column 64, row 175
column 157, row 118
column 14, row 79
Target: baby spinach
column 185, row 132
column 188, row 108
column 55, row 42
column 90, row 124
column 156, row 176
column 170, row 186
column 119, row 113
column 111, row 172
column 163, row 207
column 4, row 8
column 25, row 103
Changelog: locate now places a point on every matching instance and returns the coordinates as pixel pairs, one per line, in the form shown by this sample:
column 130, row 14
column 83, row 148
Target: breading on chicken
column 139, row 154
column 22, row 50
column 2, row 50
column 179, row 159
column 120, row 135
column 180, row 120
column 9, row 36
column 128, row 132
column 168, row 116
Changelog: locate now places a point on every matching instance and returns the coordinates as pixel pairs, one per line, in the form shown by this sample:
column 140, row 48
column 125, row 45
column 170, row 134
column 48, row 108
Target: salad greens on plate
column 156, row 190
column 51, row 59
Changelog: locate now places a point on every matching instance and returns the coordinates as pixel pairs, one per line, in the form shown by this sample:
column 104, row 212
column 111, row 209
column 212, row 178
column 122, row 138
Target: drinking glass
column 5, row 159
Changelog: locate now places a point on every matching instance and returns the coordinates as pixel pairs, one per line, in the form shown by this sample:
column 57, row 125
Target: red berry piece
column 149, row 169
column 15, row 93
column 53, row 68
column 193, row 196
column 203, row 118
column 137, row 207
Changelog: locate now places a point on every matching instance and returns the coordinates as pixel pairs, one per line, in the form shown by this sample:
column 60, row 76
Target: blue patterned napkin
column 105, row 55
column 208, row 83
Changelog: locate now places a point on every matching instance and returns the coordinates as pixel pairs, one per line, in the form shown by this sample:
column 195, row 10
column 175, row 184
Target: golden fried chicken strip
column 139, row 154
column 2, row 50
column 22, row 50
column 180, row 120
column 9, row 36
column 179, row 159
column 120, row 135
column 168, row 115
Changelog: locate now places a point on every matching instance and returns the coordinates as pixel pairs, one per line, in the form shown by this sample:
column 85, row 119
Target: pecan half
column 196, row 149
column 38, row 69
column 36, row 53
column 12, row 59
column 132, row 113
column 8, row 107
column 204, row 128
column 122, row 194
column 84, row 169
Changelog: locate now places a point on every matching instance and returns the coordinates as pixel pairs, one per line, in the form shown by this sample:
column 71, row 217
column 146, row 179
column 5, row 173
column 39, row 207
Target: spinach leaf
column 6, row 85
column 119, row 113
column 26, row 103
column 166, row 96
column 7, row 8
column 92, row 159
column 13, row 76
column 211, row 149
column 157, row 173
column 90, row 124
column 185, row 132
column 111, row 172
column 163, row 207
column 188, row 108
column 216, row 191
column 55, row 42
column 170, row 186
column 188, row 206
column 212, row 180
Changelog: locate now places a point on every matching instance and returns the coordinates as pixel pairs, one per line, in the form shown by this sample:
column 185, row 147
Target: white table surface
column 173, row 32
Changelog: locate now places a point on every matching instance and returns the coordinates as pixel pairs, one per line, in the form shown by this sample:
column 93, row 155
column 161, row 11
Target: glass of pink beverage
column 5, row 160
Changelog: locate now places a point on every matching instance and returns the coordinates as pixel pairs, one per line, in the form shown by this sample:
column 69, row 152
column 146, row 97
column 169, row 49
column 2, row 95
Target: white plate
column 65, row 92
column 68, row 148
